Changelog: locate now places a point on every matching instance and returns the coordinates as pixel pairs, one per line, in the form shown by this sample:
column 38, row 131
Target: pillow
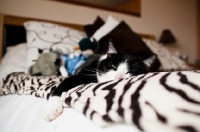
column 110, row 24
column 169, row 60
column 126, row 41
column 14, row 60
column 90, row 29
column 43, row 36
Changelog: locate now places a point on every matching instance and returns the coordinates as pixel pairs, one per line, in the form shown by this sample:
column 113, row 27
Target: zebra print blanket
column 154, row 102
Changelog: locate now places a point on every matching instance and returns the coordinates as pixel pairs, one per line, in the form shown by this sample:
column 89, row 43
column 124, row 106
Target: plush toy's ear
column 148, row 62
column 57, row 62
column 40, row 51
column 57, row 51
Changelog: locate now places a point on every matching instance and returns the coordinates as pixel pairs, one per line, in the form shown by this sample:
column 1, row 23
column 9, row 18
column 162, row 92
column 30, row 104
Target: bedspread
column 159, row 101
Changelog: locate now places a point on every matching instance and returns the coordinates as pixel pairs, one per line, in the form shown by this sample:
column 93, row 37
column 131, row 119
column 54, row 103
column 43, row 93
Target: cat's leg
column 54, row 106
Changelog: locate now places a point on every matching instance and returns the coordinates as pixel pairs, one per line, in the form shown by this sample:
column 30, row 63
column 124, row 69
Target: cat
column 98, row 68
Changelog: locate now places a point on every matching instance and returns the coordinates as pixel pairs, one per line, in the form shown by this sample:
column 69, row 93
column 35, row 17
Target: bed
column 157, row 101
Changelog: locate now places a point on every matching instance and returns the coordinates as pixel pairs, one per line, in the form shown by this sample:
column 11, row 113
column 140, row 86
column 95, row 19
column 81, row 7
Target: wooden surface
column 194, row 65
column 198, row 22
column 1, row 35
column 131, row 7
column 134, row 5
column 15, row 20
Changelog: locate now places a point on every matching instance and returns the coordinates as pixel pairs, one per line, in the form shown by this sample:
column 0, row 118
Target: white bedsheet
column 22, row 113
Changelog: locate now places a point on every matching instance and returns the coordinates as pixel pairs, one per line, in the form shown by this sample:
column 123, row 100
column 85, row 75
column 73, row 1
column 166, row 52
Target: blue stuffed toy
column 73, row 61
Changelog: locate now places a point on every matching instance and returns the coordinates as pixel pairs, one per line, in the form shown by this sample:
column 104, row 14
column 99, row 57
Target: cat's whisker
column 90, row 70
column 88, row 74
column 101, row 72
column 95, row 70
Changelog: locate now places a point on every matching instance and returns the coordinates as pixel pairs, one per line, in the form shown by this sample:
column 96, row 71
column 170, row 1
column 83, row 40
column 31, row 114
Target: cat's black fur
column 87, row 72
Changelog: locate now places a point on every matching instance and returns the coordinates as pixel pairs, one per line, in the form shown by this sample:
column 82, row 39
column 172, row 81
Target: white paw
column 53, row 108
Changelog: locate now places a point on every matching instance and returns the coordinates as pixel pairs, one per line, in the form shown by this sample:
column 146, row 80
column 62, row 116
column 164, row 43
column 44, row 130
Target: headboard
column 9, row 21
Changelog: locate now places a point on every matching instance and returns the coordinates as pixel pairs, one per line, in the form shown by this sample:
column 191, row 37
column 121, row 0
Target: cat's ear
column 103, row 57
column 111, row 48
column 148, row 62
column 108, row 55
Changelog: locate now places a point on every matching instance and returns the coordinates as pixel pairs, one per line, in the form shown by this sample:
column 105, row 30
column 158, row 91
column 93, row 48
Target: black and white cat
column 98, row 69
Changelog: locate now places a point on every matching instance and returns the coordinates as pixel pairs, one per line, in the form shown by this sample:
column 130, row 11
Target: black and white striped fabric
column 21, row 83
column 154, row 102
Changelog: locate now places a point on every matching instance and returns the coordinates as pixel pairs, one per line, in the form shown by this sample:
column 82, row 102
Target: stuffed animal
column 55, row 63
column 86, row 44
column 73, row 61
column 48, row 64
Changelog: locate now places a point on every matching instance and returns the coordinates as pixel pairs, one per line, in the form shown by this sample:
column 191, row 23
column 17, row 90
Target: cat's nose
column 118, row 76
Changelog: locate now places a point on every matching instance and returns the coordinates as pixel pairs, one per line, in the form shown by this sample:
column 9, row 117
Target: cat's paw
column 53, row 108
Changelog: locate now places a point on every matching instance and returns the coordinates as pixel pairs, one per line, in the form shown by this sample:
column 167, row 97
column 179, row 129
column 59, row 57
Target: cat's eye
column 114, row 67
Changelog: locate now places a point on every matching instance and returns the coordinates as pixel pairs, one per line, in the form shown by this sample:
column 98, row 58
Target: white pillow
column 14, row 60
column 168, row 60
column 45, row 35
column 110, row 24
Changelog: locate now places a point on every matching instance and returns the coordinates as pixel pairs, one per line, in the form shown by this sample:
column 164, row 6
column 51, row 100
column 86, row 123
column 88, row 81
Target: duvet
column 153, row 102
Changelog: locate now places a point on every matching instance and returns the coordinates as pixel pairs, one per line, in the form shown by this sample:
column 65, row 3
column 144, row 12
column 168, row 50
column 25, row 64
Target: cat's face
column 118, row 66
